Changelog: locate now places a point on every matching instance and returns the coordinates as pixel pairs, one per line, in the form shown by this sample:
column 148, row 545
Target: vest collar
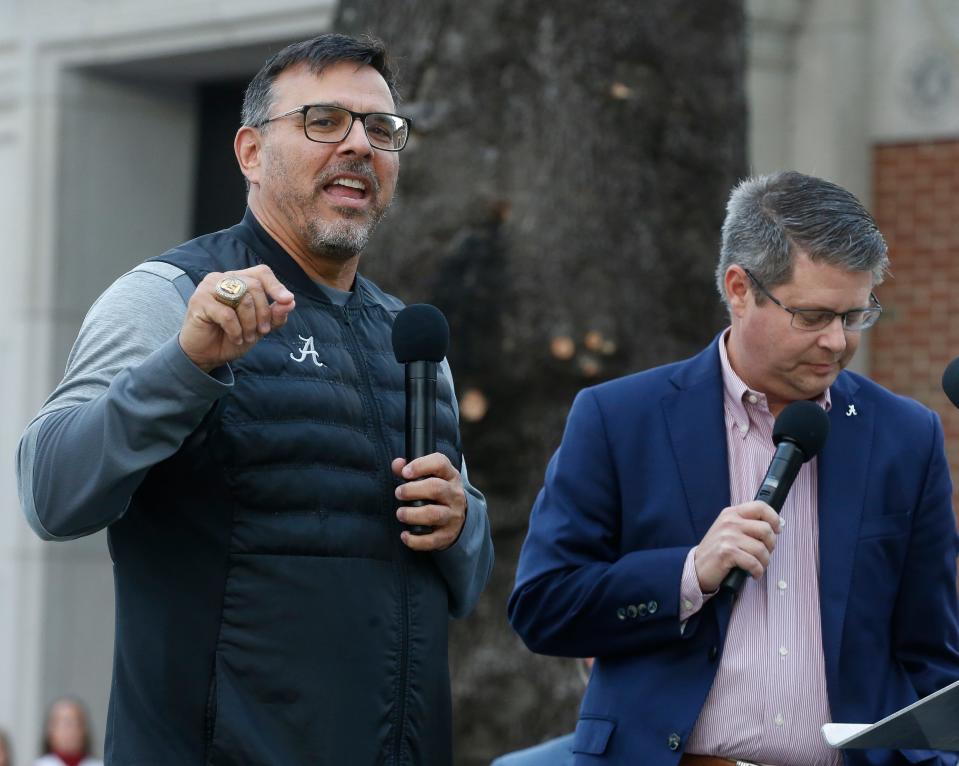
column 288, row 271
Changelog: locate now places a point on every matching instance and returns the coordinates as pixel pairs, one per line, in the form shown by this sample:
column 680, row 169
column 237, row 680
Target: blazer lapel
column 696, row 423
column 843, row 470
column 697, row 430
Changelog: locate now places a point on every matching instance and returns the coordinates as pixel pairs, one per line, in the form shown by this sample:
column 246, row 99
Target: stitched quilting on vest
column 327, row 435
column 329, row 546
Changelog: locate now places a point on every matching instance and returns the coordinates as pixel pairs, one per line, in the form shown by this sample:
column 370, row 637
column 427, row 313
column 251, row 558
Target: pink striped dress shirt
column 768, row 700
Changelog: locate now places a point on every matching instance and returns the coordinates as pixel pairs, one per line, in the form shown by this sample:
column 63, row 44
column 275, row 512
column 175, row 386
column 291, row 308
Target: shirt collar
column 738, row 396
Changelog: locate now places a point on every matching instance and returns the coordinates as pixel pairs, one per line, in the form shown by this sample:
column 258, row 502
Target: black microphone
column 950, row 381
column 421, row 337
column 799, row 434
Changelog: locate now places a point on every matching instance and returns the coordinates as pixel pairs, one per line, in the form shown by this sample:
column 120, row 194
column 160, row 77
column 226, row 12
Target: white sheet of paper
column 837, row 733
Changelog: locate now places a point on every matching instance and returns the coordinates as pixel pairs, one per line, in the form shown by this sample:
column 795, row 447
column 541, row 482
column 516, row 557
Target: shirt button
column 783, row 651
column 687, row 604
column 782, row 522
column 743, row 429
column 782, row 585
column 752, row 398
column 673, row 742
column 779, row 720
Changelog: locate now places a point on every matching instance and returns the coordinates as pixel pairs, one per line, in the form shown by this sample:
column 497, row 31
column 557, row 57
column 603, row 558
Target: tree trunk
column 560, row 201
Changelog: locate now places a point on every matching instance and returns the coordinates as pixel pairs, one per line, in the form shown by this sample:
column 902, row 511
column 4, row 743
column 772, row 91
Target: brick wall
column 916, row 204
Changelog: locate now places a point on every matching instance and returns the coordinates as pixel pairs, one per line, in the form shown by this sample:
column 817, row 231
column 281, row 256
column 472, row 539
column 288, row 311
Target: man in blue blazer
column 851, row 609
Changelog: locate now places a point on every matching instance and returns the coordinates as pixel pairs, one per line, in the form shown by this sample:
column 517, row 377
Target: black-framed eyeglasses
column 811, row 320
column 327, row 124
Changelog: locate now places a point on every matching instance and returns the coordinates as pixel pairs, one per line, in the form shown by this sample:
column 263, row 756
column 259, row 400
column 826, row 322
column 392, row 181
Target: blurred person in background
column 66, row 735
column 6, row 750
column 555, row 752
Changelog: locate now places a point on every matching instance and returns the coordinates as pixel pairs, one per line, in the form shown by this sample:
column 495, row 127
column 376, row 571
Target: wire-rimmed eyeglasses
column 811, row 320
column 328, row 124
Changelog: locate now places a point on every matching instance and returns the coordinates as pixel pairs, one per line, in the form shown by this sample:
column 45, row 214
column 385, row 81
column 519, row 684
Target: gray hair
column 771, row 218
column 318, row 53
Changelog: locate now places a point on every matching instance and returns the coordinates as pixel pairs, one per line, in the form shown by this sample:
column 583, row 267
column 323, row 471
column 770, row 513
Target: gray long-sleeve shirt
column 129, row 399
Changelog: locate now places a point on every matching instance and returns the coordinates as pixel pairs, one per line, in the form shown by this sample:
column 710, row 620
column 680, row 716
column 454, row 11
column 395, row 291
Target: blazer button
column 641, row 608
column 631, row 611
column 713, row 652
column 653, row 607
column 621, row 613
column 673, row 742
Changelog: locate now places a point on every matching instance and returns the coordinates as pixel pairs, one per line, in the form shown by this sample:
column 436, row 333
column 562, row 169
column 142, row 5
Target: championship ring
column 230, row 291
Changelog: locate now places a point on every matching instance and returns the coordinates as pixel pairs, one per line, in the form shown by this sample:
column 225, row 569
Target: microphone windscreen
column 950, row 381
column 805, row 424
column 420, row 334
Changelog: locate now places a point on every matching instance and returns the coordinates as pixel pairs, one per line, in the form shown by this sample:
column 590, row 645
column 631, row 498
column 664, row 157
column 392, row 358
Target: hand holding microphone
column 744, row 536
column 741, row 539
column 435, row 501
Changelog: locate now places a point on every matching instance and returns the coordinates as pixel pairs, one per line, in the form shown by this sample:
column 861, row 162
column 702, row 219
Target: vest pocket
column 307, row 662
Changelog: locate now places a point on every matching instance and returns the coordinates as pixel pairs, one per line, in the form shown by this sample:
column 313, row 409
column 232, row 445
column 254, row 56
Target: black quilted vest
column 267, row 612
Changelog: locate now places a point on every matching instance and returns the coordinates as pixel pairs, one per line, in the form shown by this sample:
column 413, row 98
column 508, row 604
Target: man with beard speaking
column 232, row 412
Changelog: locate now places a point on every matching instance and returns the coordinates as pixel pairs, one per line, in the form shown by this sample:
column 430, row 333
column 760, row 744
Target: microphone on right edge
column 799, row 434
column 950, row 381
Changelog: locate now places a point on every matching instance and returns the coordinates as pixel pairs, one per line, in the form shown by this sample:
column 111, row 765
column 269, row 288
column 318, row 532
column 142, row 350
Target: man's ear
column 737, row 286
column 248, row 147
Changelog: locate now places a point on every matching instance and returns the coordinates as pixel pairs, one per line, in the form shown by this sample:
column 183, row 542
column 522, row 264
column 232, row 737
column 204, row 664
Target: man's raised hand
column 214, row 333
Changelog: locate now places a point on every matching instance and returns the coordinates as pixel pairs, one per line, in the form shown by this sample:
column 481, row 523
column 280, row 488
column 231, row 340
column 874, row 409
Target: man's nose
column 356, row 142
column 833, row 335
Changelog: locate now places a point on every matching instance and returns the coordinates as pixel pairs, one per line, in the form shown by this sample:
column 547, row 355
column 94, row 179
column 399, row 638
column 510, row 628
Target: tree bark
column 560, row 200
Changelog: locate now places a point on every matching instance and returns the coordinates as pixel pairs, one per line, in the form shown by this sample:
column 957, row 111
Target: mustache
column 351, row 167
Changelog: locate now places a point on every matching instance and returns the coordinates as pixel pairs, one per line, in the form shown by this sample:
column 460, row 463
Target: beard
column 343, row 237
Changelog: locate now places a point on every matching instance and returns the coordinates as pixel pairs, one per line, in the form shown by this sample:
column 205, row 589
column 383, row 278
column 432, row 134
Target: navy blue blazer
column 638, row 479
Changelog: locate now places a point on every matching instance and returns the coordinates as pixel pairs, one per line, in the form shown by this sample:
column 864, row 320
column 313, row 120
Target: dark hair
column 318, row 53
column 45, row 747
column 769, row 218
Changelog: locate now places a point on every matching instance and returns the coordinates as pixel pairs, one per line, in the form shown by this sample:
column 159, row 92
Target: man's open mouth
column 348, row 188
